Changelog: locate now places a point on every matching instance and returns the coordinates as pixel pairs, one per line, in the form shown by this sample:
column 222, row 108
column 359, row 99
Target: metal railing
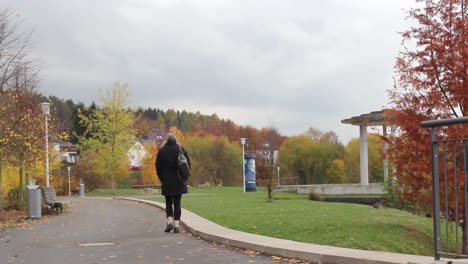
column 450, row 203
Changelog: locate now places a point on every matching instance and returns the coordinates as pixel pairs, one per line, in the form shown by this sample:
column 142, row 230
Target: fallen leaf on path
column 250, row 252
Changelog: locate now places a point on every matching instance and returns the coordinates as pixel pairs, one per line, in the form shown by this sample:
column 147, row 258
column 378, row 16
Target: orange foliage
column 431, row 83
column 148, row 172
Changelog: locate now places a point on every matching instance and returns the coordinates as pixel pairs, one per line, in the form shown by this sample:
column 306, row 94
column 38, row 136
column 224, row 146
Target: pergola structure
column 376, row 118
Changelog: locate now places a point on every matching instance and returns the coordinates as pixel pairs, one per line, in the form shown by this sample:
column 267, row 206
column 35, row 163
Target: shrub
column 313, row 196
column 393, row 198
column 13, row 199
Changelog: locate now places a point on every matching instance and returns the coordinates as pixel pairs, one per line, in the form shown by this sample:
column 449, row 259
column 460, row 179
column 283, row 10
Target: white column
column 385, row 161
column 363, row 155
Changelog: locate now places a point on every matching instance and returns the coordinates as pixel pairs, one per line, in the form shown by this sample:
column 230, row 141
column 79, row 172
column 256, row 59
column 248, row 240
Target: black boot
column 169, row 227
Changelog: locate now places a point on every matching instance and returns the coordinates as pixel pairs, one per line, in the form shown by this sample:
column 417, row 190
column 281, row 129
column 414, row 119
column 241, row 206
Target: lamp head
column 45, row 108
column 242, row 140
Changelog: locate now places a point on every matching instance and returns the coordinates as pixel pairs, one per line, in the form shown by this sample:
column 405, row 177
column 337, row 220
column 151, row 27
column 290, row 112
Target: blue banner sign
column 249, row 161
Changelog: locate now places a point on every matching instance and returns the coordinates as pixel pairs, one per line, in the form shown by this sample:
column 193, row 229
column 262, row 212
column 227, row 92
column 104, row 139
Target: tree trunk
column 270, row 190
column 113, row 174
column 21, row 182
column 1, row 180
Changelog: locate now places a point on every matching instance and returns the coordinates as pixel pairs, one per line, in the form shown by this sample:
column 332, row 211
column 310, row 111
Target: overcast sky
column 291, row 64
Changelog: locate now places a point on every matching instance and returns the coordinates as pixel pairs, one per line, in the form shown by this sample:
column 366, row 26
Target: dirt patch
column 12, row 218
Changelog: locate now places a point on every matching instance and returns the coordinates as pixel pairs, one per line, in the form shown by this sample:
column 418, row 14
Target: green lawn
column 292, row 216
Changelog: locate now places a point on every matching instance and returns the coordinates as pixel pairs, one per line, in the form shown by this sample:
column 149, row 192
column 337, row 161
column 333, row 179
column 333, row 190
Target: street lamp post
column 278, row 169
column 69, row 189
column 242, row 140
column 46, row 111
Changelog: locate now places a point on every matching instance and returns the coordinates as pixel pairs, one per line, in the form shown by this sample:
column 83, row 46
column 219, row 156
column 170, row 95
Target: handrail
column 445, row 122
column 440, row 160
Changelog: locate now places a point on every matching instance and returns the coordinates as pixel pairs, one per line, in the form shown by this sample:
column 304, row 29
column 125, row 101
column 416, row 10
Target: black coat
column 166, row 168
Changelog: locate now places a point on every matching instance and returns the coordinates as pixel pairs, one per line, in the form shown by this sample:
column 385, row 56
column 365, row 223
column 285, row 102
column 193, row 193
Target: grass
column 292, row 216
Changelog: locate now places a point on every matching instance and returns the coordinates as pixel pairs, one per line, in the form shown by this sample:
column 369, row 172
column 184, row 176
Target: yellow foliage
column 63, row 135
column 10, row 179
column 336, row 173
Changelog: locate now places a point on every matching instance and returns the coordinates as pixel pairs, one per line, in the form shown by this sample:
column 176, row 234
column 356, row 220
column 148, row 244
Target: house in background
column 67, row 152
column 135, row 155
column 154, row 135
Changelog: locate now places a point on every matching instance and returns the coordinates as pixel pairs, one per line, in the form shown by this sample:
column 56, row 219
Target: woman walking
column 172, row 184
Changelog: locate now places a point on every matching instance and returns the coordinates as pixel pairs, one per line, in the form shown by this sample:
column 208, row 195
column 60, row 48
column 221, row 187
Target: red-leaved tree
column 430, row 83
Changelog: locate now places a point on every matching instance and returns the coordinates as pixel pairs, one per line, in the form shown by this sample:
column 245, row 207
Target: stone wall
column 334, row 189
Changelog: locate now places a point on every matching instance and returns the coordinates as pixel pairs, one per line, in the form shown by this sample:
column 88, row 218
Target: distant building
column 268, row 154
column 66, row 151
column 135, row 155
column 137, row 152
column 154, row 135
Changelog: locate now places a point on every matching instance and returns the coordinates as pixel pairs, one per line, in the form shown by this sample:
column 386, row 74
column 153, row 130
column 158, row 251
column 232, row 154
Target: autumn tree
column 267, row 158
column 18, row 74
column 111, row 134
column 230, row 130
column 215, row 160
column 143, row 125
column 320, row 136
column 188, row 122
column 14, row 45
column 253, row 142
column 430, row 83
column 25, row 138
column 88, row 171
column 148, row 171
column 294, row 160
column 336, row 172
column 78, row 129
column 302, row 157
column 22, row 142
column 351, row 161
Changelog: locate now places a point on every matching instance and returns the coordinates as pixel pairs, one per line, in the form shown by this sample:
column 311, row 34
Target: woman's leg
column 169, row 213
column 177, row 208
column 177, row 212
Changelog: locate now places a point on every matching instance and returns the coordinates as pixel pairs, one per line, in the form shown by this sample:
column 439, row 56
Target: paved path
column 98, row 230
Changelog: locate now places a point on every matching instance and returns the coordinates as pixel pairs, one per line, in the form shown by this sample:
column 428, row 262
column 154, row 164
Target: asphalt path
column 97, row 230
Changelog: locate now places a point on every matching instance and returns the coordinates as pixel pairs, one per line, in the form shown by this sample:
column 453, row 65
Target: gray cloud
column 294, row 64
